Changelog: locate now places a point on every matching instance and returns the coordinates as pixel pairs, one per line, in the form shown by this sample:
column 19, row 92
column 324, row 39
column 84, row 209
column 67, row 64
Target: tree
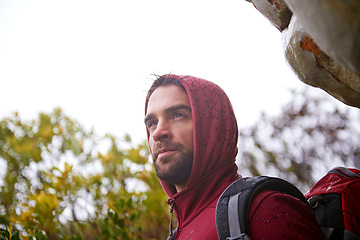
column 311, row 135
column 65, row 182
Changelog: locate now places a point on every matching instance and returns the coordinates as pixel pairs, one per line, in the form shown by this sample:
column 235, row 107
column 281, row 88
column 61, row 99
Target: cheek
column 188, row 137
column 151, row 144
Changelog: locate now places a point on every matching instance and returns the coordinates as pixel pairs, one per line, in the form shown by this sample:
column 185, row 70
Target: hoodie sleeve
column 275, row 215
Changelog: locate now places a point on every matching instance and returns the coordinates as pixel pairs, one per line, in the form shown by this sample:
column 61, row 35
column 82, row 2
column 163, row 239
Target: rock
column 321, row 39
column 276, row 11
column 335, row 27
column 314, row 67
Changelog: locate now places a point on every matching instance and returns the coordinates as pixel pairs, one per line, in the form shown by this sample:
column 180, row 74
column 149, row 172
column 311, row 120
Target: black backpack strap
column 232, row 211
column 350, row 236
column 328, row 211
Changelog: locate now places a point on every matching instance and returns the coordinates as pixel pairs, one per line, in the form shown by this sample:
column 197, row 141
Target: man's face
column 169, row 122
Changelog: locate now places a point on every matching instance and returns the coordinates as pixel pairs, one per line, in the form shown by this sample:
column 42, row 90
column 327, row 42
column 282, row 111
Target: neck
column 180, row 188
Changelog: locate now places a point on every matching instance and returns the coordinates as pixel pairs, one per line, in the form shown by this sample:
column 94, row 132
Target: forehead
column 166, row 96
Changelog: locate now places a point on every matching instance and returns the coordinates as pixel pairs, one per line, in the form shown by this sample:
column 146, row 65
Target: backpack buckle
column 316, row 200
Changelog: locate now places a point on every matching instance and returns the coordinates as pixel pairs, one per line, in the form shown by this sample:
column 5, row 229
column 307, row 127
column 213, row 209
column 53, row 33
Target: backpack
column 335, row 201
column 233, row 206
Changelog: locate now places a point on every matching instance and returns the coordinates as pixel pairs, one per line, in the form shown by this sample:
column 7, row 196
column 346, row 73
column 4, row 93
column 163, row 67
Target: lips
column 164, row 152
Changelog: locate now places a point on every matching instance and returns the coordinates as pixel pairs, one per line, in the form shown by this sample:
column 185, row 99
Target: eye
column 151, row 124
column 178, row 115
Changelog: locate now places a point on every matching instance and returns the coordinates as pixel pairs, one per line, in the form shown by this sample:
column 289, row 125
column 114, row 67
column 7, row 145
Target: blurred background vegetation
column 310, row 136
column 61, row 181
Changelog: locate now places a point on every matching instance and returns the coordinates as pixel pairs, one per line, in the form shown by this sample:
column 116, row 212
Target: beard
column 176, row 168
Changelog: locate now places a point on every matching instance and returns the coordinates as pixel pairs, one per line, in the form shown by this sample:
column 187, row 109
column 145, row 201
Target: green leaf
column 39, row 235
column 3, row 220
column 4, row 233
column 15, row 236
column 127, row 138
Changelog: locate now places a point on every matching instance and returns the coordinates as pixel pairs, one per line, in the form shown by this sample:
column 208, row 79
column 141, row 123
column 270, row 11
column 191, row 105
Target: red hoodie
column 215, row 134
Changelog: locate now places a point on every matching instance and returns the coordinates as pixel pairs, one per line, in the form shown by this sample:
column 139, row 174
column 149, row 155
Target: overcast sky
column 95, row 59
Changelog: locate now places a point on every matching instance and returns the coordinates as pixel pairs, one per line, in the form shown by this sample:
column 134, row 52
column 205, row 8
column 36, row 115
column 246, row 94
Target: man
column 192, row 135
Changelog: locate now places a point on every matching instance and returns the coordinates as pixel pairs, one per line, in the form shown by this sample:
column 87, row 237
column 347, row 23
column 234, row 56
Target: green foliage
column 310, row 136
column 62, row 183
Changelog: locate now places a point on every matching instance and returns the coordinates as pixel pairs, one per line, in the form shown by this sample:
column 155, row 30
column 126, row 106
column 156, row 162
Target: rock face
column 276, row 11
column 321, row 40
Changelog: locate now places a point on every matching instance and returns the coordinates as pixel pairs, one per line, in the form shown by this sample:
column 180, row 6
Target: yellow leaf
column 40, row 197
column 68, row 168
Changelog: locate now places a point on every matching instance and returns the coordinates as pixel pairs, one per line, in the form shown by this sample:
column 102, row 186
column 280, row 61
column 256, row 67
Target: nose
column 162, row 132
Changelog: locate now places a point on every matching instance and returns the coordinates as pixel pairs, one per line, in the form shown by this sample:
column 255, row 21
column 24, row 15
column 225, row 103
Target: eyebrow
column 168, row 110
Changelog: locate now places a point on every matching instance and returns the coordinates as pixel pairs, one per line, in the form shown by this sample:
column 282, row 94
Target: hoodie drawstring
column 171, row 202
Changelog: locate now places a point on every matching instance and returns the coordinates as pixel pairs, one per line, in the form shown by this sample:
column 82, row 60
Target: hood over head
column 215, row 134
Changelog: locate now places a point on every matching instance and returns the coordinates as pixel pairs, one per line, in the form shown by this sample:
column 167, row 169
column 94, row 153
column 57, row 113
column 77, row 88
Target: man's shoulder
column 271, row 200
column 278, row 214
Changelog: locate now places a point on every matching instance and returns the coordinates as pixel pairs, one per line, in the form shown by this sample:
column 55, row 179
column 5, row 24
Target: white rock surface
column 314, row 67
column 335, row 27
column 276, row 11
